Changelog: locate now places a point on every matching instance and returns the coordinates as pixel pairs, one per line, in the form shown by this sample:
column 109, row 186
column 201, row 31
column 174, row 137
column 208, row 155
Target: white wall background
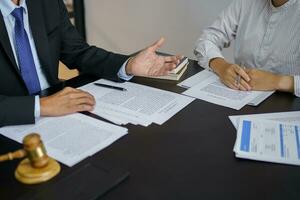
column 126, row 26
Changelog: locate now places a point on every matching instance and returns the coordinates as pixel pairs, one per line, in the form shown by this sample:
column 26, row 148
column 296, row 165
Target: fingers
column 76, row 94
column 161, row 70
column 169, row 66
column 157, row 44
column 67, row 101
column 171, row 59
column 241, row 72
column 80, row 104
column 174, row 59
column 242, row 78
column 241, row 84
column 79, row 100
column 236, row 78
column 245, row 86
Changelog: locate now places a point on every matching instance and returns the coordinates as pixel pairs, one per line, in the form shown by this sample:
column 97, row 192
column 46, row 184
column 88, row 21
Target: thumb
column 157, row 44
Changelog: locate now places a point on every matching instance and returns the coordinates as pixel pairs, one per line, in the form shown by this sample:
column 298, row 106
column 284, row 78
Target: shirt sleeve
column 122, row 73
column 297, row 85
column 37, row 107
column 218, row 35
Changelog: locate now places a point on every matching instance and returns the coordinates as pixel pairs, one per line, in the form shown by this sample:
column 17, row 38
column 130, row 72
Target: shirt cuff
column 297, row 85
column 122, row 72
column 206, row 51
column 37, row 107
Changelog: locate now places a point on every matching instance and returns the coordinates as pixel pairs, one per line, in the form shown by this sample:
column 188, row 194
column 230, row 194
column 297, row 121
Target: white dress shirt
column 266, row 37
column 6, row 8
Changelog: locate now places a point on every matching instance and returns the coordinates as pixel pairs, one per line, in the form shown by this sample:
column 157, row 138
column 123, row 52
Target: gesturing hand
column 148, row 63
column 67, row 101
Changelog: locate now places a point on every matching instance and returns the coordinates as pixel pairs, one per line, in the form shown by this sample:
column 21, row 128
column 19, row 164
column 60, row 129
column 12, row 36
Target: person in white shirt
column 266, row 50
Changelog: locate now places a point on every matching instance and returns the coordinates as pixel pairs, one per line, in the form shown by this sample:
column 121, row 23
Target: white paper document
column 71, row 138
column 140, row 105
column 206, row 85
column 289, row 117
column 196, row 79
column 267, row 140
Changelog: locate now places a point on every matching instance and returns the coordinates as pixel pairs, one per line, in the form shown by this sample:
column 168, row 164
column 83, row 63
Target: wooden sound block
column 25, row 173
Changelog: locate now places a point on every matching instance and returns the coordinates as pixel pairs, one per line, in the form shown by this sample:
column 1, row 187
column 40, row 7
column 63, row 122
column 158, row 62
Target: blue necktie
column 24, row 54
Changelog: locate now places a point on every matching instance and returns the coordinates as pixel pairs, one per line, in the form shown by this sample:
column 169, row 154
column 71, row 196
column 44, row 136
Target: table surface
column 188, row 157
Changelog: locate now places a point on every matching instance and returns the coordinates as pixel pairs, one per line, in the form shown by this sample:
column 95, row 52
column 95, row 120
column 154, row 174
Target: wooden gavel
column 38, row 167
column 34, row 150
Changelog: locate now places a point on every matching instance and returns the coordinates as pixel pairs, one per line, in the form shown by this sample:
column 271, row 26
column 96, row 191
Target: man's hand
column 148, row 63
column 231, row 75
column 262, row 80
column 67, row 101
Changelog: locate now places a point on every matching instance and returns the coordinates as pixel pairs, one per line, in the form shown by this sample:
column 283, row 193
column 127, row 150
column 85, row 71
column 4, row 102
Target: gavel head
column 35, row 150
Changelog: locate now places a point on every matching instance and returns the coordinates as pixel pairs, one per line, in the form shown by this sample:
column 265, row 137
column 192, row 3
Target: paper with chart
column 289, row 117
column 71, row 138
column 218, row 92
column 140, row 105
column 267, row 140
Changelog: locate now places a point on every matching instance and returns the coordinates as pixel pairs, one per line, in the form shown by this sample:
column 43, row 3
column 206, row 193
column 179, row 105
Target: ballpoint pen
column 110, row 86
column 238, row 78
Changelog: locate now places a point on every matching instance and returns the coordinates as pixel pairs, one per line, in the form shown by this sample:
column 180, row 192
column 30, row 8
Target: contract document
column 206, row 85
column 69, row 139
column 289, row 117
column 267, row 140
column 137, row 104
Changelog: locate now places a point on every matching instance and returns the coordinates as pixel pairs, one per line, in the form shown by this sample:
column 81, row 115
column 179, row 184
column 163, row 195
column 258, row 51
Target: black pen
column 110, row 86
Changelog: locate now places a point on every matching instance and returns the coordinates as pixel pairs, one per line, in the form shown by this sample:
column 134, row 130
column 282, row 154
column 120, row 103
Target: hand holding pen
column 232, row 75
column 242, row 79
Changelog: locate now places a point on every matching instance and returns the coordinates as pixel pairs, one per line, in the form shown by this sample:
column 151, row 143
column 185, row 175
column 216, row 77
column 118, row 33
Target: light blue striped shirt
column 7, row 7
column 266, row 37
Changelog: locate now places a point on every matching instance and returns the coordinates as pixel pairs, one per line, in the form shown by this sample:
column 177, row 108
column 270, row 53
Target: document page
column 289, row 117
column 267, row 140
column 139, row 104
column 196, row 79
column 212, row 93
column 69, row 139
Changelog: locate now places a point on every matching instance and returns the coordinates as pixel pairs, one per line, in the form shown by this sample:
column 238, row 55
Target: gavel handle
column 13, row 155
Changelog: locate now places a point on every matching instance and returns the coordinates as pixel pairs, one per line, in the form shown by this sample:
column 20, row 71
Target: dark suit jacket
column 56, row 39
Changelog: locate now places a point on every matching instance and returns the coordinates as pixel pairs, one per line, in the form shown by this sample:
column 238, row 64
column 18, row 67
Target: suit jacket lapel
column 39, row 33
column 4, row 40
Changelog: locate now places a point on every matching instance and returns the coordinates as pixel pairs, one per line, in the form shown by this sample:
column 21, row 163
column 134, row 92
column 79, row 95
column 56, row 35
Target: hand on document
column 239, row 77
column 139, row 104
column 207, row 86
column 148, row 63
column 266, row 81
column 232, row 75
column 273, row 137
column 67, row 101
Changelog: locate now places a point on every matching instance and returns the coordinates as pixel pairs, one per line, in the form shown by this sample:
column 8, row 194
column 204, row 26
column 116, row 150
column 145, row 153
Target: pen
column 110, row 86
column 238, row 78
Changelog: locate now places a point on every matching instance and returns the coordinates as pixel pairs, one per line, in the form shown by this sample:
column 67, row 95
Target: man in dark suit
column 34, row 36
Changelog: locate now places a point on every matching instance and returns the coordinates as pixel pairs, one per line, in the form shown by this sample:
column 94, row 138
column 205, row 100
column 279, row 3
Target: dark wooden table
column 188, row 157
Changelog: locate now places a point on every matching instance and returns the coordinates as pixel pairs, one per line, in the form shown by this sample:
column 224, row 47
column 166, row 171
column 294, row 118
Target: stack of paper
column 71, row 138
column 172, row 76
column 139, row 105
column 206, row 85
column 268, row 137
